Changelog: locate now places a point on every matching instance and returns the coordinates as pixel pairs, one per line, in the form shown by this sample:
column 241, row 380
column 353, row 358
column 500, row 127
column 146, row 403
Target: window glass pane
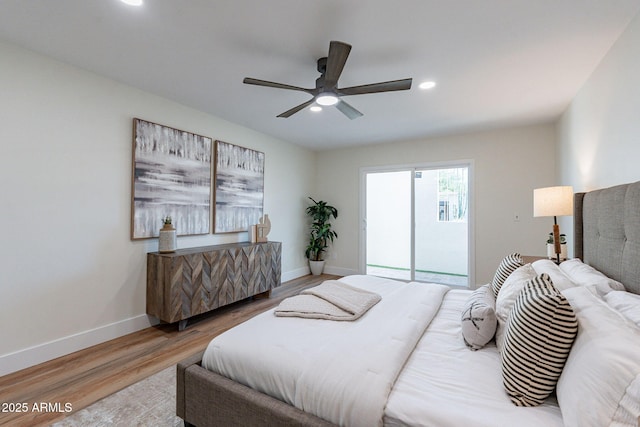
column 388, row 218
column 452, row 194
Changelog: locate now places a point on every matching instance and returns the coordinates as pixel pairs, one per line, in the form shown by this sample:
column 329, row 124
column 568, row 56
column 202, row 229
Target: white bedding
column 443, row 383
column 340, row 371
column 446, row 384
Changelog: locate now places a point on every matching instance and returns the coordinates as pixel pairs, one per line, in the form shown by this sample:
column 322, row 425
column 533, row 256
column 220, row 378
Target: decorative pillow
column 507, row 298
column 600, row 383
column 540, row 331
column 508, row 265
column 479, row 318
column 585, row 275
column 559, row 278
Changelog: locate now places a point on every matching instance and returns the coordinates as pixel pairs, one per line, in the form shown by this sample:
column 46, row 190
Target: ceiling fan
column 327, row 91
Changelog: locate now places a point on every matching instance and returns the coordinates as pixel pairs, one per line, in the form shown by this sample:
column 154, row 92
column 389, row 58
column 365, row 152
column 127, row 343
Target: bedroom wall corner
column 599, row 133
column 71, row 275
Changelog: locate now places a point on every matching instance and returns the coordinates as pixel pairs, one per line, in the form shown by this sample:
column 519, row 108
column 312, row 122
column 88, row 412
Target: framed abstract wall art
column 171, row 177
column 239, row 187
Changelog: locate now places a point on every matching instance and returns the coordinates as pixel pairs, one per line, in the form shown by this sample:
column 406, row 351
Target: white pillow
column 626, row 303
column 600, row 383
column 584, row 275
column 559, row 278
column 509, row 291
column 479, row 318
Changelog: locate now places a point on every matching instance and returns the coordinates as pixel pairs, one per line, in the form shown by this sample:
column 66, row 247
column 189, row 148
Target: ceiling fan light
column 315, row 108
column 327, row 99
column 427, row 85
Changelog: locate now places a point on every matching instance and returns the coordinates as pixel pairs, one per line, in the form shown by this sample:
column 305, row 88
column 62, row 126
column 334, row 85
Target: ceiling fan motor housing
column 322, row 65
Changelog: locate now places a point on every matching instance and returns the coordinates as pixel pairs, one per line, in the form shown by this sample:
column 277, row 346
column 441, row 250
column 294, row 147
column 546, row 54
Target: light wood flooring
column 86, row 376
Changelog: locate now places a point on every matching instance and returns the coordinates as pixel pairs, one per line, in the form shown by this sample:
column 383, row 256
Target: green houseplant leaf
column 320, row 232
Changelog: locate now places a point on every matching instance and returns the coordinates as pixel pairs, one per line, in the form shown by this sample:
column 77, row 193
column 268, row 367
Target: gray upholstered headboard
column 607, row 232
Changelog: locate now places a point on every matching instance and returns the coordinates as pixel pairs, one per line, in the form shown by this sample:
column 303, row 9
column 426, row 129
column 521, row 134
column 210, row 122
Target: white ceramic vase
column 167, row 241
column 316, row 267
column 551, row 251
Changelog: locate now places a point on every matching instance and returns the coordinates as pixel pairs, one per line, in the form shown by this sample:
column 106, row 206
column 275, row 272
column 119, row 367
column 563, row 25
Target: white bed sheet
column 446, row 384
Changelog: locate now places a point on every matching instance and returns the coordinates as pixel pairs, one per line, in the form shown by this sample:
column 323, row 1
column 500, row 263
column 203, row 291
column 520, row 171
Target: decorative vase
column 168, row 241
column 316, row 267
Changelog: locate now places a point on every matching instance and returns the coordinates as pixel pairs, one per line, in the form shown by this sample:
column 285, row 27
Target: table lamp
column 555, row 202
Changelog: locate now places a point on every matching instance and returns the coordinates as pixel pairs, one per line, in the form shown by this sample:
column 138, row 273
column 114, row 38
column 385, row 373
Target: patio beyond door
column 416, row 224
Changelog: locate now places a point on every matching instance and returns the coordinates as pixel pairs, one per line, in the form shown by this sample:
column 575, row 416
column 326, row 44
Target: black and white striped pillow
column 540, row 332
column 508, row 265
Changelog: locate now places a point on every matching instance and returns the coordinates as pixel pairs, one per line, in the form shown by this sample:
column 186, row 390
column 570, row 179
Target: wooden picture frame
column 171, row 177
column 239, row 187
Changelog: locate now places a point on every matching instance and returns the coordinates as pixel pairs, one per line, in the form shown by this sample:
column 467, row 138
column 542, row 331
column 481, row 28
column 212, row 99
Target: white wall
column 508, row 165
column 70, row 276
column 599, row 134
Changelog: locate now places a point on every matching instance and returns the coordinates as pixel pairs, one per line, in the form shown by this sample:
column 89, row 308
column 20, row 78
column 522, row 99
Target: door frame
column 362, row 221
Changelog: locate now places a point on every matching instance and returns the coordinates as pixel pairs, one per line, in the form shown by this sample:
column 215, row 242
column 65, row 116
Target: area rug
column 150, row 402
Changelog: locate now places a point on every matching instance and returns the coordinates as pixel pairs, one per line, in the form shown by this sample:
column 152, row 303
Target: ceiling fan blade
column 294, row 110
column 257, row 82
column 389, row 86
column 338, row 54
column 348, row 110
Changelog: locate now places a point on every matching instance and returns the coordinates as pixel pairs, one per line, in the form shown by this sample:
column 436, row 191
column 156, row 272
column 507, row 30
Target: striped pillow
column 540, row 332
column 508, row 265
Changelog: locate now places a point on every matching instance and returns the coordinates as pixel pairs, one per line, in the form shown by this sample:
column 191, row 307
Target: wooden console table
column 193, row 281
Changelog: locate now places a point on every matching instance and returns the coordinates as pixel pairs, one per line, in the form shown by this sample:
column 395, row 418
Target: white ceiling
column 496, row 62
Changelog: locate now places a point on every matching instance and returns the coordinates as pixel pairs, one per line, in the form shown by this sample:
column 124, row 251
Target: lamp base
column 556, row 239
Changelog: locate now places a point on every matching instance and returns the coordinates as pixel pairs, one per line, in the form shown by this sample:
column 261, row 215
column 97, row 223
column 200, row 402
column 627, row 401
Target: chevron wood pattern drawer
column 193, row 281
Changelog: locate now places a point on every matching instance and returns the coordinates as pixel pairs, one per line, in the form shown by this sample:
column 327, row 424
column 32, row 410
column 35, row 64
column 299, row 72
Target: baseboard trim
column 35, row 355
column 294, row 274
column 339, row 271
column 41, row 353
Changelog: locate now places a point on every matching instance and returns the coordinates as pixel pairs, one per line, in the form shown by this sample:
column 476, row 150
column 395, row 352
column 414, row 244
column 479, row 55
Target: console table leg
column 265, row 294
column 182, row 324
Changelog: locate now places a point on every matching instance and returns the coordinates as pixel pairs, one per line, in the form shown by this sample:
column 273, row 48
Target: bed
column 414, row 363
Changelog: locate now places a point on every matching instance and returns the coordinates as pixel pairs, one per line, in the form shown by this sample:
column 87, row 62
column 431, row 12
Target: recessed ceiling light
column 315, row 108
column 132, row 2
column 427, row 85
column 327, row 98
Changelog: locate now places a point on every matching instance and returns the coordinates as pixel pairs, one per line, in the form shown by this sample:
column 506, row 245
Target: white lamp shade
column 553, row 201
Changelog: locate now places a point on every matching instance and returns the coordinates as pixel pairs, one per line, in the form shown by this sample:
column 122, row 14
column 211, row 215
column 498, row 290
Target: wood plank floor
column 84, row 377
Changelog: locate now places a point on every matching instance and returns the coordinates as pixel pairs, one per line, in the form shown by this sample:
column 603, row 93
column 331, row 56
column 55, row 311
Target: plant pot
column 167, row 241
column 551, row 251
column 316, row 267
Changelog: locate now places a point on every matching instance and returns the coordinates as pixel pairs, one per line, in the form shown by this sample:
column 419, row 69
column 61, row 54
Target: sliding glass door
column 388, row 224
column 416, row 223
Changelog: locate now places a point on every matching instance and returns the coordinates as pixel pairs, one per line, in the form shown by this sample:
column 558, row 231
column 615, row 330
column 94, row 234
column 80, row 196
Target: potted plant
column 320, row 234
column 551, row 250
column 167, row 238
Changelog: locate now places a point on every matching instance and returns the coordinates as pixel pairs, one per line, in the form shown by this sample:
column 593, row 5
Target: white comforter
column 359, row 373
column 340, row 371
column 444, row 384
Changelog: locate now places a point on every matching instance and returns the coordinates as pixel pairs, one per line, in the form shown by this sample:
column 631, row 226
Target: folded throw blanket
column 331, row 300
